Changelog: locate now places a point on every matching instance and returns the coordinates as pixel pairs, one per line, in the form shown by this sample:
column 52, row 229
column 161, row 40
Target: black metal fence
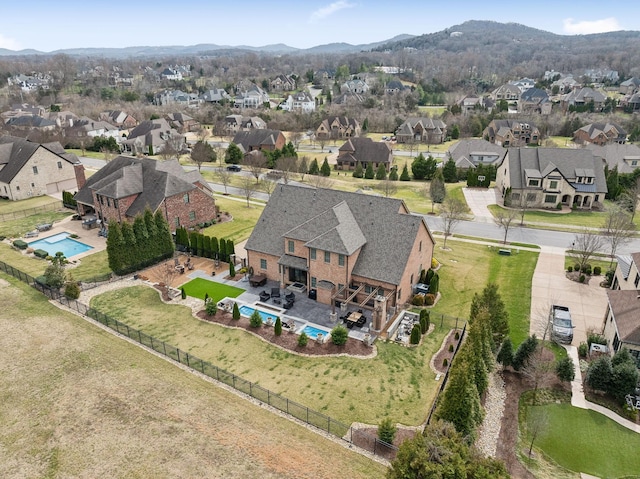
column 321, row 421
column 56, row 205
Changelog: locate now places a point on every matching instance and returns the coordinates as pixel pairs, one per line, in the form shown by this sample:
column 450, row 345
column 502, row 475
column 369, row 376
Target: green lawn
column 397, row 383
column 467, row 268
column 244, row 219
column 586, row 441
column 7, row 206
column 198, row 287
column 18, row 227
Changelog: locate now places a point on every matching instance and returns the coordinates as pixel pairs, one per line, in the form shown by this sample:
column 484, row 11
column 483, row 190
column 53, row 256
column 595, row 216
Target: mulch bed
column 364, row 438
column 444, row 353
column 288, row 340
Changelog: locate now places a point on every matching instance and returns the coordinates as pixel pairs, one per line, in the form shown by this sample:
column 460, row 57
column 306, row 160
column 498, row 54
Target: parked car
column 234, row 168
column 561, row 324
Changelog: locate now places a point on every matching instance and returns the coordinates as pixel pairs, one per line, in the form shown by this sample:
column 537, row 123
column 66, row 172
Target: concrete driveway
column 587, row 302
column 478, row 199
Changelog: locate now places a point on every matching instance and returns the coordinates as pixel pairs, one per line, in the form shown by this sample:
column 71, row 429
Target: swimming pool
column 60, row 242
column 313, row 332
column 248, row 311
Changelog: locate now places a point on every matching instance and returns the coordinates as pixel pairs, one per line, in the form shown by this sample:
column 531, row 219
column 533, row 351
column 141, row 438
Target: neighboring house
column 346, row 248
column 126, row 186
column 583, row 97
column 85, row 126
column 29, row 122
column 599, row 76
column 322, row 76
column 600, row 134
column 338, row 127
column 177, row 97
column 151, row 136
column 354, row 86
column 625, row 158
column 394, row 86
column 171, row 74
column 119, row 118
column 254, row 97
column 348, row 98
column 534, row 100
column 469, row 153
column 27, row 83
column 471, row 103
column 236, row 123
column 566, row 84
column 506, row 92
column 630, row 86
column 182, row 122
column 301, row 101
column 631, row 102
column 622, row 326
column 215, row 95
column 283, row 83
column 422, row 130
column 63, row 119
column 259, row 140
column 364, row 151
column 524, row 84
column 30, row 169
column 546, row 177
column 510, row 133
column 627, row 274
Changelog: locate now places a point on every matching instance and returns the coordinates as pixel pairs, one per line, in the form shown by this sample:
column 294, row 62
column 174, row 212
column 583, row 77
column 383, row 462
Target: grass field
column 586, row 441
column 18, row 227
column 8, row 206
column 467, row 268
column 244, row 219
column 198, row 287
column 397, row 383
column 78, row 402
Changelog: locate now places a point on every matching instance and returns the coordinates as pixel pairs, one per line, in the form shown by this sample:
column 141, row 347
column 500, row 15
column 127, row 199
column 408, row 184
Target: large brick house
column 422, row 130
column 600, row 134
column 30, row 169
column 364, row 151
column 338, row 127
column 510, row 133
column 260, row 140
column 546, row 177
column 348, row 248
column 126, row 186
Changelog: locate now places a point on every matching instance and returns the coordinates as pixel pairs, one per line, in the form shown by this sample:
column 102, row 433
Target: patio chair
column 290, row 296
column 275, row 292
column 288, row 304
column 264, row 296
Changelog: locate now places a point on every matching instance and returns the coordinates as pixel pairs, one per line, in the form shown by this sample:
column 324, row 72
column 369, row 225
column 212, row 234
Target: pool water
column 248, row 311
column 313, row 332
column 60, row 242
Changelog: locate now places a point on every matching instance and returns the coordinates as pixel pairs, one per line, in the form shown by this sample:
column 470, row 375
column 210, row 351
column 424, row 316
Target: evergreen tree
column 404, row 176
column 393, row 174
column 115, row 247
column 152, row 231
column 277, row 328
column 524, row 352
column 460, row 404
column 313, row 167
column 450, row 172
column 419, row 167
column 455, row 132
column 200, row 242
column 233, row 155
column 491, row 300
column 130, row 250
column 223, row 250
column 164, row 238
column 599, row 374
column 232, row 270
column 358, row 172
column 414, row 337
column 236, row 312
column 206, row 246
column 565, row 369
column 365, row 124
column 381, row 173
column 387, row 431
column 431, row 168
column 437, row 190
column 325, row 169
column 215, row 248
column 231, row 249
column 183, row 293
column 434, row 284
column 505, row 355
column 369, row 173
column 144, row 250
column 193, row 242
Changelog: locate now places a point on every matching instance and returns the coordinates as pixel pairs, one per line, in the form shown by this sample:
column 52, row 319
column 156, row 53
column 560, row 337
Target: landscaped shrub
column 20, row 244
column 339, row 335
column 583, row 349
column 211, row 308
column 232, row 270
column 595, row 338
column 40, row 253
column 255, row 320
column 183, row 293
column 415, row 335
column 599, row 373
column 418, row 300
column 505, row 355
column 576, row 267
column 524, row 352
column 425, row 320
column 429, row 299
column 457, row 335
column 445, row 362
column 434, row 284
column 597, row 270
column 277, row 328
column 72, row 290
column 609, row 275
column 565, row 369
column 236, row 312
column 451, row 348
column 387, row 431
column 582, row 278
column 587, row 270
column 434, row 263
column 303, row 340
column 570, row 269
column 428, row 276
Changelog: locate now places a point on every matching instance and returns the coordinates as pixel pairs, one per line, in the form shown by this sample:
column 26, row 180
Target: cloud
column 330, row 9
column 9, row 43
column 585, row 27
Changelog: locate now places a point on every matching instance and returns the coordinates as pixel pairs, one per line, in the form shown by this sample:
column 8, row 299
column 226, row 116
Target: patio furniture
column 257, row 280
column 264, row 296
column 290, row 296
column 31, row 234
column 44, row 227
column 275, row 292
column 288, row 304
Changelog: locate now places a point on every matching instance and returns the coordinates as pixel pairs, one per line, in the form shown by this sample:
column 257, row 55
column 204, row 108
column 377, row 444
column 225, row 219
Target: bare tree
column 295, row 138
column 586, row 245
column 268, row 186
column 320, row 181
column 619, row 228
column 537, row 421
column 388, row 187
column 452, row 212
column 322, row 142
column 503, row 220
column 287, row 165
column 168, row 151
column 248, row 188
column 202, row 152
column 168, row 272
column 303, row 167
column 538, row 369
column 631, row 197
column 255, row 161
column 519, row 203
column 224, row 176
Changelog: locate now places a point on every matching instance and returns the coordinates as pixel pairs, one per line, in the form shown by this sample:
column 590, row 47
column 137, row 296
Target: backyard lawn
column 586, row 441
column 244, row 219
column 397, row 383
column 8, row 206
column 198, row 287
column 18, row 227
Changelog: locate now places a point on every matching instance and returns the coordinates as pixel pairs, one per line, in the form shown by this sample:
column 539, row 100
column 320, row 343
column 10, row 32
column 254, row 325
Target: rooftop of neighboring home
column 615, row 154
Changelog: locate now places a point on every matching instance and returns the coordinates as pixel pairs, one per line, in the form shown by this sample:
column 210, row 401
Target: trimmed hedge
column 40, row 253
column 20, row 244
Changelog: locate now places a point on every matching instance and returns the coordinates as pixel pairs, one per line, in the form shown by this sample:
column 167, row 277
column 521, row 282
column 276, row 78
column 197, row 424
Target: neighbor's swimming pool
column 248, row 311
column 60, row 242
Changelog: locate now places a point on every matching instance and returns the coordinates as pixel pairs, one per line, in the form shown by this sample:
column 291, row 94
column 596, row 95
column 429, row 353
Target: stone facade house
column 126, row 186
column 469, row 153
column 625, row 158
column 254, row 97
column 600, row 134
column 182, row 122
column 364, row 151
column 422, row 130
column 582, row 97
column 259, row 140
column 345, row 248
column 546, row 177
column 338, row 127
column 302, row 102
column 151, row 137
column 510, row 133
column 119, row 118
column 508, row 92
column 283, row 83
column 29, row 169
column 235, row 123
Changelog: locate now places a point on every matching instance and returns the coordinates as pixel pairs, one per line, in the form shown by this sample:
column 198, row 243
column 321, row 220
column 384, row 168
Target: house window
column 292, row 247
column 192, row 215
column 108, row 201
column 177, row 221
column 263, row 264
column 531, row 197
column 637, row 280
column 420, row 247
column 340, row 286
column 17, row 188
column 186, row 198
column 340, row 260
column 634, row 162
column 553, row 185
column 33, row 185
column 589, row 180
column 399, row 294
column 115, row 203
column 59, row 165
column 312, row 252
column 616, row 342
column 35, row 170
column 327, row 257
column 515, row 196
column 313, row 281
column 533, row 182
column 550, row 199
column 367, row 289
column 411, row 280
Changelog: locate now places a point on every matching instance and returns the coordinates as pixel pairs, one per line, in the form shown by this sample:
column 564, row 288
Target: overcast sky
column 46, row 25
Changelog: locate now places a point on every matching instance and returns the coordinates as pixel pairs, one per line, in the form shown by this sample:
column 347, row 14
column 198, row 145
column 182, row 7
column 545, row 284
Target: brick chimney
column 80, row 178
